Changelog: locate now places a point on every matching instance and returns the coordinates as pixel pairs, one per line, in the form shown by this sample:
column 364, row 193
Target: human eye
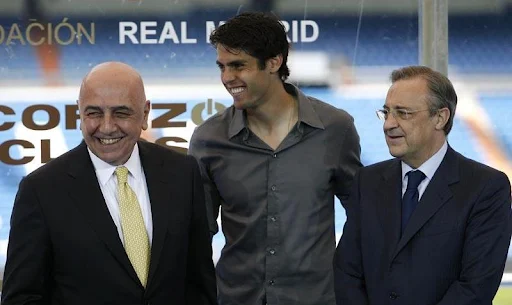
column 382, row 114
column 236, row 65
column 402, row 113
column 93, row 113
column 122, row 114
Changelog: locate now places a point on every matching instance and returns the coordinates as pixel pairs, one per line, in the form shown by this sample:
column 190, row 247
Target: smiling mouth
column 109, row 141
column 236, row 90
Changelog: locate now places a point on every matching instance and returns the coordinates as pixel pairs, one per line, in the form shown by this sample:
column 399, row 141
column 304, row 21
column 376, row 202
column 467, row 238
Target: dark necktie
column 410, row 199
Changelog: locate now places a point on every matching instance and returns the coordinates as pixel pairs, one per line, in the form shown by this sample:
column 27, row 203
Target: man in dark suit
column 115, row 220
column 430, row 226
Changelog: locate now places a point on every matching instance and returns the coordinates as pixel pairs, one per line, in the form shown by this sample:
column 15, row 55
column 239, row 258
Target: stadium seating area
column 478, row 44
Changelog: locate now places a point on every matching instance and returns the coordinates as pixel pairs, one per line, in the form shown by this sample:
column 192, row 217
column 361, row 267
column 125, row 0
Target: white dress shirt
column 137, row 181
column 428, row 168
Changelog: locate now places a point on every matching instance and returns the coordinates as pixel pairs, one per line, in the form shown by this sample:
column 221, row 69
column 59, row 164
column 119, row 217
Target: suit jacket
column 64, row 247
column 452, row 251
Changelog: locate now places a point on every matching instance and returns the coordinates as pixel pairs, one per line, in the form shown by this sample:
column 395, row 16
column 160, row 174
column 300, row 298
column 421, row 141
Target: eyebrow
column 232, row 63
column 402, row 107
column 397, row 107
column 115, row 108
column 121, row 108
column 88, row 108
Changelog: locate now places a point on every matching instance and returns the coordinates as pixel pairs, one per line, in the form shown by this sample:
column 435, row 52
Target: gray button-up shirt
column 277, row 206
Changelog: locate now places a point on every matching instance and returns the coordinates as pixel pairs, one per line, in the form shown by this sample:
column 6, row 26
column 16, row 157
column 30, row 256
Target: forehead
column 109, row 95
column 407, row 93
column 225, row 55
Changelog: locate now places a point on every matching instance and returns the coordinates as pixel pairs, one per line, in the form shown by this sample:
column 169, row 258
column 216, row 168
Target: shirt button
column 393, row 296
column 275, row 156
column 273, row 219
column 272, row 251
column 273, row 187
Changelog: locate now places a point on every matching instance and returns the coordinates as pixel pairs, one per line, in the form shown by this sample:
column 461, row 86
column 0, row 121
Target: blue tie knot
column 415, row 178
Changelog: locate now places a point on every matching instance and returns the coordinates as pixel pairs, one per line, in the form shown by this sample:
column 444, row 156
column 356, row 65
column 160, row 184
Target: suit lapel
column 159, row 190
column 435, row 196
column 389, row 190
column 87, row 196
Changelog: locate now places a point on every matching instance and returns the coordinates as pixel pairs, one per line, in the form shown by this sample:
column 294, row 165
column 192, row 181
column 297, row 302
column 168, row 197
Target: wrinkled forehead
column 107, row 96
column 411, row 93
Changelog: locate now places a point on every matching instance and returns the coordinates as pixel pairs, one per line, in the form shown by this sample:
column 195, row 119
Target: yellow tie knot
column 122, row 174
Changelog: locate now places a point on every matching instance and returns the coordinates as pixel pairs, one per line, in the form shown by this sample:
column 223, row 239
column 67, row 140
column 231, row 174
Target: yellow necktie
column 136, row 241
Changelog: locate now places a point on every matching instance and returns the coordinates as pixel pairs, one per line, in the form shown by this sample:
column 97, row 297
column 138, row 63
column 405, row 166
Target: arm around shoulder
column 199, row 151
column 349, row 279
column 201, row 288
column 349, row 161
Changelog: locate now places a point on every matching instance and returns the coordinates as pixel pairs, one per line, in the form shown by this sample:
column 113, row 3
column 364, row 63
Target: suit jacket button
column 393, row 295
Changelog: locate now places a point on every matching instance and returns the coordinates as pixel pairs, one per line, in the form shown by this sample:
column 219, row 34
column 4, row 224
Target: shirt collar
column 104, row 171
column 307, row 113
column 430, row 166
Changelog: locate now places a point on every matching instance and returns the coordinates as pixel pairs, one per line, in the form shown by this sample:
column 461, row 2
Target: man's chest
column 255, row 175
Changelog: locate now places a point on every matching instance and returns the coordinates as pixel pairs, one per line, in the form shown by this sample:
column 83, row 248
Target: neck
column 417, row 162
column 280, row 106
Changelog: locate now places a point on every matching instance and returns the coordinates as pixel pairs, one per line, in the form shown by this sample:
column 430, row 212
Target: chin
column 115, row 161
column 239, row 106
column 108, row 158
column 115, row 157
column 395, row 152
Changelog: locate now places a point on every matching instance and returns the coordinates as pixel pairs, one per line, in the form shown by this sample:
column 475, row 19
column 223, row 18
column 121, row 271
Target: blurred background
column 342, row 53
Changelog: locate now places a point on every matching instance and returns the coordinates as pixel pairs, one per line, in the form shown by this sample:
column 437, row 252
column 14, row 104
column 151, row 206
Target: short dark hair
column 442, row 93
column 260, row 35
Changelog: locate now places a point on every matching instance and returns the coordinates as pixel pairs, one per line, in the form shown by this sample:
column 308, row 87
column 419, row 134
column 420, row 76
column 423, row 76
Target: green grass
column 503, row 297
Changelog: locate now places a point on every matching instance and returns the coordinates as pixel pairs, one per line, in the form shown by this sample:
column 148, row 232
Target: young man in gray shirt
column 274, row 162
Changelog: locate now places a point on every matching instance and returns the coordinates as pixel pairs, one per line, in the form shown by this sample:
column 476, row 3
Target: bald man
column 115, row 220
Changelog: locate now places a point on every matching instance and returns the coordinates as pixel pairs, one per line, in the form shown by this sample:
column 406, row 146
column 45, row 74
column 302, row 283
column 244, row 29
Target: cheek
column 410, row 133
column 255, row 78
column 87, row 126
column 416, row 136
column 260, row 85
column 131, row 128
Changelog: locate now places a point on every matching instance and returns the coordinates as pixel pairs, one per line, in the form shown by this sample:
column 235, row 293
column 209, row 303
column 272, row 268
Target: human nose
column 390, row 121
column 227, row 76
column 108, row 124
